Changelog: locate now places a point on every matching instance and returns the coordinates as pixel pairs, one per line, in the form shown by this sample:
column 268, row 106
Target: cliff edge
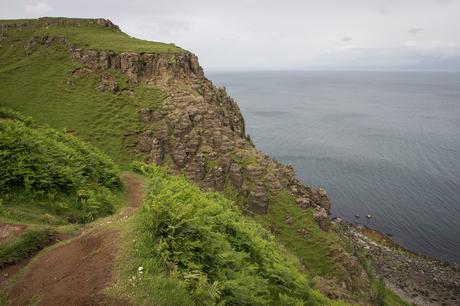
column 194, row 128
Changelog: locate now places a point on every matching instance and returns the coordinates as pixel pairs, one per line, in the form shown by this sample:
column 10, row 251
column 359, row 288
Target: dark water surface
column 381, row 143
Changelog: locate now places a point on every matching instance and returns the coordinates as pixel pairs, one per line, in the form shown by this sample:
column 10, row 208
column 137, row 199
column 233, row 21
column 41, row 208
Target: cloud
column 443, row 1
column 250, row 34
column 416, row 30
column 38, row 8
column 410, row 43
column 166, row 26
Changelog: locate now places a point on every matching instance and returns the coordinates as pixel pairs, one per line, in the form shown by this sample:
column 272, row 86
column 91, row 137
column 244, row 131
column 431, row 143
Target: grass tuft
column 26, row 245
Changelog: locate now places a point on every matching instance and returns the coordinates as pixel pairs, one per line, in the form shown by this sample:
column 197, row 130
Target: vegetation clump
column 74, row 178
column 25, row 246
column 223, row 257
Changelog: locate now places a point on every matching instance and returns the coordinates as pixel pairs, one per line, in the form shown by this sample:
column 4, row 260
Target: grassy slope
column 87, row 35
column 206, row 249
column 42, row 85
column 48, row 182
column 53, row 171
column 26, row 245
column 303, row 237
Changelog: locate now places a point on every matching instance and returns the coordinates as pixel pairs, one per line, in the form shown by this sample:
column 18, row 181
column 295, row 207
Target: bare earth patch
column 77, row 272
column 71, row 274
column 8, row 231
column 135, row 189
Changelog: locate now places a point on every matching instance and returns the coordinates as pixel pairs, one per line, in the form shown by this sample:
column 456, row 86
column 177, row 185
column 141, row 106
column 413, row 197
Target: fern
column 223, row 257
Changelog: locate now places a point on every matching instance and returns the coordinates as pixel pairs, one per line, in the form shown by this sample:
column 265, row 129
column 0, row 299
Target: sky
column 282, row 35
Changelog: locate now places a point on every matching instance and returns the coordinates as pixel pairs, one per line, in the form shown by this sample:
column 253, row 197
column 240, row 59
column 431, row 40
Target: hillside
column 150, row 102
column 50, row 182
column 41, row 168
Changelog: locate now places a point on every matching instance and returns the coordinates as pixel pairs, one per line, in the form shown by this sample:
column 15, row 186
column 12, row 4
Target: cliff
column 195, row 128
column 200, row 128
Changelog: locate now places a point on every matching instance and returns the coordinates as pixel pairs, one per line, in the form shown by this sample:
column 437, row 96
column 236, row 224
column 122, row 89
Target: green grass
column 15, row 21
column 51, row 177
column 89, row 35
column 386, row 297
column 155, row 285
column 22, row 208
column 42, row 85
column 26, row 245
column 204, row 243
column 303, row 237
column 383, row 295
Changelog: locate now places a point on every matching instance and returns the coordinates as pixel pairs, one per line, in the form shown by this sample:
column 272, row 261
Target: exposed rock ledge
column 200, row 129
column 418, row 279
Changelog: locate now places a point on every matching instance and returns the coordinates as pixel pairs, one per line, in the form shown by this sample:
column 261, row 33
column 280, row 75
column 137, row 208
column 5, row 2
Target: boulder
column 258, row 200
column 321, row 217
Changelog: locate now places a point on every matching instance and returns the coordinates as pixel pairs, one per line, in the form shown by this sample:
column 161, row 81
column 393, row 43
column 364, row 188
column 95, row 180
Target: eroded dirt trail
column 135, row 191
column 75, row 273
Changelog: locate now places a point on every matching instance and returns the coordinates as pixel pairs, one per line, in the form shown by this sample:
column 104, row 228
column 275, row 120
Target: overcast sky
column 286, row 34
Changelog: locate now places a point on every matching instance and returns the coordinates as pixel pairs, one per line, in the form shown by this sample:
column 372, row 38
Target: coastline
column 418, row 279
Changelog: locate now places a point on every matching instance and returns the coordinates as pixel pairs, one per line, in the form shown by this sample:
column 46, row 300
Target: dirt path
column 134, row 189
column 75, row 273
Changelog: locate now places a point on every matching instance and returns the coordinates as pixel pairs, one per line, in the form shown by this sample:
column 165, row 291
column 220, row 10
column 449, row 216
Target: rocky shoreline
column 418, row 279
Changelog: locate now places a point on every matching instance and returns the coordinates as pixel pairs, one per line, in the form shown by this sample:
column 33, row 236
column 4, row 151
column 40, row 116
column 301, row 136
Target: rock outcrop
column 200, row 129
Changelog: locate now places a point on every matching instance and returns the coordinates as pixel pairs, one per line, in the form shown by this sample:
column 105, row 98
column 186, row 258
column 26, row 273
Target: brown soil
column 77, row 272
column 8, row 231
column 7, row 272
column 72, row 274
column 135, row 193
column 134, row 188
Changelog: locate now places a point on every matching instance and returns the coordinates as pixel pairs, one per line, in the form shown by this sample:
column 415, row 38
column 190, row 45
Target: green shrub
column 10, row 114
column 224, row 257
column 43, row 159
column 55, row 169
column 24, row 246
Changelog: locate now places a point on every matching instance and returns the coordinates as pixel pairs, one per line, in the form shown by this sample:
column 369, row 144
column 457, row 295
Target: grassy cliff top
column 85, row 33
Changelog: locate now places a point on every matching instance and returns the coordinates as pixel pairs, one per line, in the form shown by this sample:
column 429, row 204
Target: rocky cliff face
column 200, row 129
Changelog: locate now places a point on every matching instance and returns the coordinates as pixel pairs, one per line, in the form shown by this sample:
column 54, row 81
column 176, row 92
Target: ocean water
column 381, row 143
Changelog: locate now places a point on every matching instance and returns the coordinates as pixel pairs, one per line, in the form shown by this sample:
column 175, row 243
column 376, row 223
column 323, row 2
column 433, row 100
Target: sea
column 385, row 144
